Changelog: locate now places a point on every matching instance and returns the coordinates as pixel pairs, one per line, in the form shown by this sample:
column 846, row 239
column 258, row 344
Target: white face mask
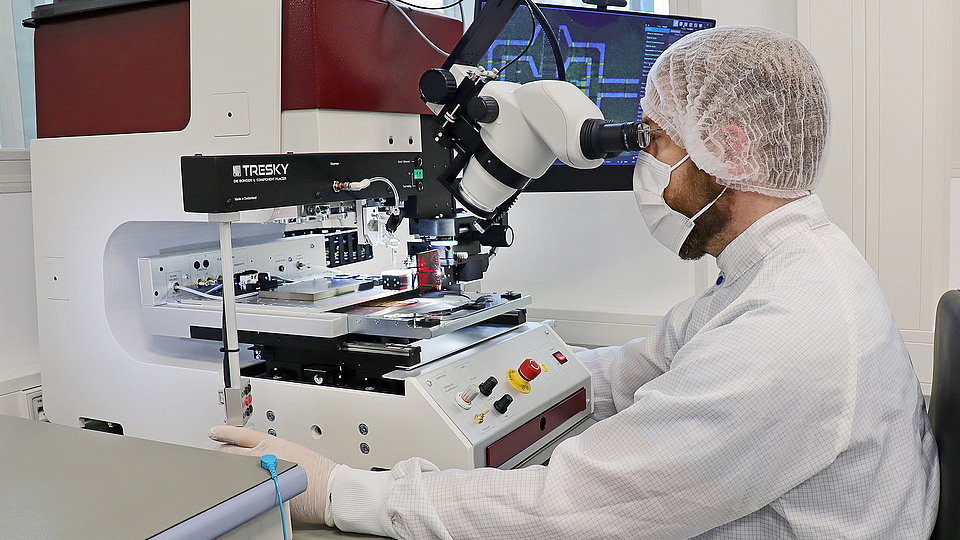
column 650, row 179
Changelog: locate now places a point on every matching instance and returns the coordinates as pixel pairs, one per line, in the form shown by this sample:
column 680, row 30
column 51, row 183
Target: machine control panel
column 469, row 390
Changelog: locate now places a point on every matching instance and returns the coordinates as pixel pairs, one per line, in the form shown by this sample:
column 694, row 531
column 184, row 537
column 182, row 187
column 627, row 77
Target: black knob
column 501, row 404
column 438, row 86
column 483, row 109
column 486, row 387
column 393, row 222
column 497, row 236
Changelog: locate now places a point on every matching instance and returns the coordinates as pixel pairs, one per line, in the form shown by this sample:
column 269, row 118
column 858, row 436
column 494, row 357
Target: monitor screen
column 607, row 54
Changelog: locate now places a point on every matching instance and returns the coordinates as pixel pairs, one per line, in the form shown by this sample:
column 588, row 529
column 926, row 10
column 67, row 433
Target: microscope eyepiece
column 606, row 139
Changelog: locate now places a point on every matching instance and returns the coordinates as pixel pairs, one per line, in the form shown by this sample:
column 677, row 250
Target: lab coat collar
column 767, row 233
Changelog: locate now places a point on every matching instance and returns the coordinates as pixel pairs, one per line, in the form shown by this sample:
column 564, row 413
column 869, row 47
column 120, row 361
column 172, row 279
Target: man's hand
column 309, row 506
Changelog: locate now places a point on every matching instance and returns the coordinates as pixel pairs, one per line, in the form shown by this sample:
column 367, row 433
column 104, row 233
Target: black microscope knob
column 438, row 86
column 483, row 109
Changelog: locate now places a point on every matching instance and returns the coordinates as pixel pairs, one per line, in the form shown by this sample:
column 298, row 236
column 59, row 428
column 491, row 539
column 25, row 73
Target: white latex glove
column 310, row 505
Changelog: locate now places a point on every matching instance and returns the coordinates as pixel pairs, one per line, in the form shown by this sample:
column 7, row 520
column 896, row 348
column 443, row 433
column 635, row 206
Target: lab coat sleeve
column 746, row 412
column 617, row 372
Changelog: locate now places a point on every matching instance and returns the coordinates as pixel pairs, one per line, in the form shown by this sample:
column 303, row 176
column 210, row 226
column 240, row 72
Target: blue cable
column 269, row 462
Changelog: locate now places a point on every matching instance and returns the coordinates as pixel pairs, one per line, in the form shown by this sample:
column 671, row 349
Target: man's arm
column 617, row 372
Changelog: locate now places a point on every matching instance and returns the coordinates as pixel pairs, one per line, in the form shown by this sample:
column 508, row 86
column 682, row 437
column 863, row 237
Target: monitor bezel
column 563, row 178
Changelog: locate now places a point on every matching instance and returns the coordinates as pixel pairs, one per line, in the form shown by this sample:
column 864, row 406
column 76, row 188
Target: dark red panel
column 358, row 55
column 114, row 71
column 519, row 439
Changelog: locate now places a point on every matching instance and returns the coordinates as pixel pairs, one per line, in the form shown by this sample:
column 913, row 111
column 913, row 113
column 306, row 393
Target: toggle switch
column 501, row 404
column 465, row 397
column 486, row 387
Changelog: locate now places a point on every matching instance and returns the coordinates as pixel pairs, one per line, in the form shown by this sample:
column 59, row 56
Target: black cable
column 448, row 293
column 533, row 34
column 551, row 37
column 226, row 359
column 457, row 3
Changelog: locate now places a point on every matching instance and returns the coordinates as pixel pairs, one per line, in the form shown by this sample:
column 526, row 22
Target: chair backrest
column 945, row 412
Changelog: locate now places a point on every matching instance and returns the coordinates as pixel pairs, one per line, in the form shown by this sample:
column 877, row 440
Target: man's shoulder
column 815, row 275
column 823, row 257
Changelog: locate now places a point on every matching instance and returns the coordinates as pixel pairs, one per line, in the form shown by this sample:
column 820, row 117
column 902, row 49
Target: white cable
column 197, row 293
column 393, row 188
column 415, row 27
column 365, row 183
column 210, row 296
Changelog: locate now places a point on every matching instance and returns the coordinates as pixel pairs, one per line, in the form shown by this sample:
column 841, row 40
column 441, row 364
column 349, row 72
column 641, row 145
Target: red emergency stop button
column 529, row 369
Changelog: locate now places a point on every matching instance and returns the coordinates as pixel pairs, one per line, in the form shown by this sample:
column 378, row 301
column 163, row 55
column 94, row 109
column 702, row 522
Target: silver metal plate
column 418, row 319
column 253, row 303
column 312, row 290
column 452, row 343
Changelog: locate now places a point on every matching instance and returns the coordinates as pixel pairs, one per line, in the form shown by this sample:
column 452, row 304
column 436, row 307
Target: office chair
column 945, row 413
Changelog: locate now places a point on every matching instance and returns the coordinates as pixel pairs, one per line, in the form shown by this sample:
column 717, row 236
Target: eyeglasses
column 645, row 134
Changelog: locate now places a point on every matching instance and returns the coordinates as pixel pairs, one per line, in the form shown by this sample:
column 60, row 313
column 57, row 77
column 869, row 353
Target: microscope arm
column 556, row 112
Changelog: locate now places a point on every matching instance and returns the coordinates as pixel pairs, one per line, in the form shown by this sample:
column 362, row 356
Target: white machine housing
column 103, row 204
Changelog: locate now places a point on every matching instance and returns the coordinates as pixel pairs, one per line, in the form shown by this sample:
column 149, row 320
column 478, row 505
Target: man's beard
column 711, row 224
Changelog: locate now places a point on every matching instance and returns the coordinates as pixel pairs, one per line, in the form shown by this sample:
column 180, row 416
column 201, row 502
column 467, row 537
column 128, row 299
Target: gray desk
column 63, row 482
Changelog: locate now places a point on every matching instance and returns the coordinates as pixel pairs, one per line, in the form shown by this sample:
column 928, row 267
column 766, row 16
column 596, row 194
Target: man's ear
column 735, row 146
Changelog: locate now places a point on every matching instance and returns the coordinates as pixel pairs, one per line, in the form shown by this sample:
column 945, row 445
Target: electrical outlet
column 35, row 403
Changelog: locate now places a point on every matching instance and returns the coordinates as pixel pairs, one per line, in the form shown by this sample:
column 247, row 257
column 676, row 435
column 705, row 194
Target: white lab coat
column 780, row 403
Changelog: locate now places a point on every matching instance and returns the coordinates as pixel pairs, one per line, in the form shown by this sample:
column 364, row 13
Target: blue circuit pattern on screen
column 608, row 55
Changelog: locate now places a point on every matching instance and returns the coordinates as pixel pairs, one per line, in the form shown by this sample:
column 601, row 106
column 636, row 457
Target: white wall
column 19, row 345
column 954, row 278
column 777, row 14
column 11, row 120
column 18, row 297
column 588, row 262
column 888, row 68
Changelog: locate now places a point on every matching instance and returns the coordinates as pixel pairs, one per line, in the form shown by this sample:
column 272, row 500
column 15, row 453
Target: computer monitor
column 608, row 55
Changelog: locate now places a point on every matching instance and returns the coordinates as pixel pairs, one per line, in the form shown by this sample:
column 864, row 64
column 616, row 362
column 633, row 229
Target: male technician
column 780, row 403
